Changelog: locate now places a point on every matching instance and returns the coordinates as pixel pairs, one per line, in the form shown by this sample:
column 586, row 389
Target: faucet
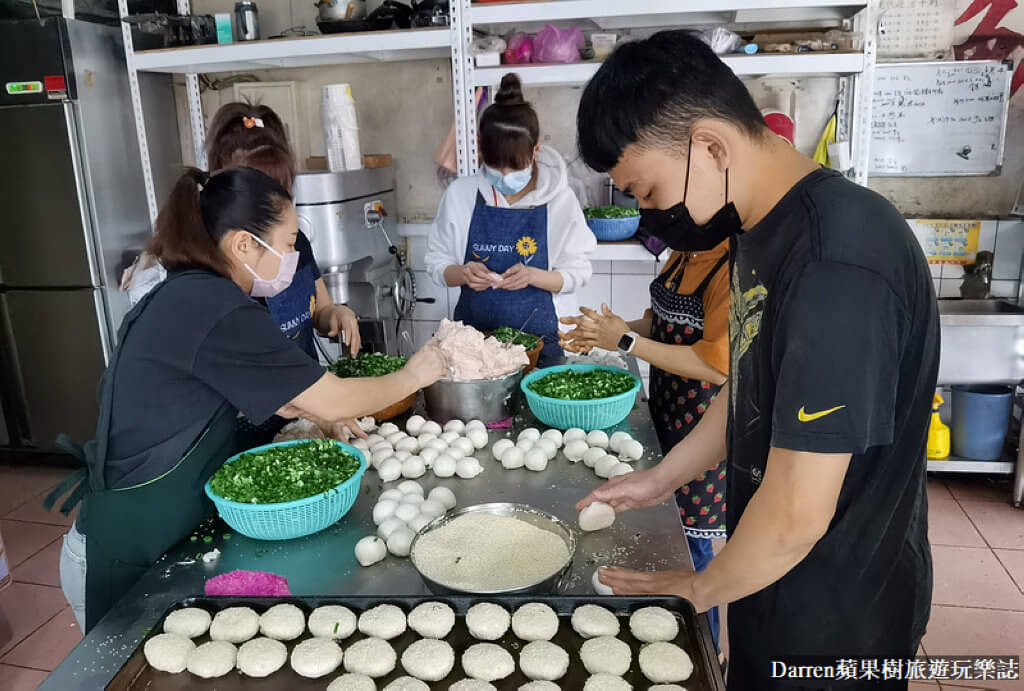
column 978, row 277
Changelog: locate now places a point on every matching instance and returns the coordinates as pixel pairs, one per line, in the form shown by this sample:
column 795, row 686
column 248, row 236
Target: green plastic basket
column 600, row 413
column 291, row 519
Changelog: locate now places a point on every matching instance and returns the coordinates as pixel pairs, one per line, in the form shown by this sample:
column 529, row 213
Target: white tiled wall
column 1006, row 239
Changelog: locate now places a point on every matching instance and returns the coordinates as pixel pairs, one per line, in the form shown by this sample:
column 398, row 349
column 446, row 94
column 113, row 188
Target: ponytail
column 509, row 128
column 243, row 135
column 203, row 208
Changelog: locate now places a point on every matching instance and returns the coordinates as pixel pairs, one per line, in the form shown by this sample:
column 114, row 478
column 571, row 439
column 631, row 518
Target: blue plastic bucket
column 981, row 415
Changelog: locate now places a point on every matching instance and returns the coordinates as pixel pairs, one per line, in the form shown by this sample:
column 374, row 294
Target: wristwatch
column 627, row 342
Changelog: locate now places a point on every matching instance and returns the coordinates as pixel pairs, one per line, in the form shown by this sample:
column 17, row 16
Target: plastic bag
column 142, row 276
column 557, row 45
column 519, row 50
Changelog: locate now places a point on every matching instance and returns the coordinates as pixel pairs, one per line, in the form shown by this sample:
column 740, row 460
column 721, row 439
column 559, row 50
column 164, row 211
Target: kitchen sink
column 978, row 307
column 982, row 341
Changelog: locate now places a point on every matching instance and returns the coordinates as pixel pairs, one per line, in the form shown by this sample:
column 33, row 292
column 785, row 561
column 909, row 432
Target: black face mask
column 676, row 228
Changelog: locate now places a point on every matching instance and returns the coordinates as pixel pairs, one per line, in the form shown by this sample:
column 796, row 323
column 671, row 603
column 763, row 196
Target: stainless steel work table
column 323, row 564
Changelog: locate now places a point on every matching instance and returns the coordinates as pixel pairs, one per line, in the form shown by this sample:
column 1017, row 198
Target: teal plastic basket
column 291, row 519
column 601, row 413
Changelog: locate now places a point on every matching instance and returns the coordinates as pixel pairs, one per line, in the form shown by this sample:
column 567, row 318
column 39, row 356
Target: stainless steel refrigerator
column 73, row 214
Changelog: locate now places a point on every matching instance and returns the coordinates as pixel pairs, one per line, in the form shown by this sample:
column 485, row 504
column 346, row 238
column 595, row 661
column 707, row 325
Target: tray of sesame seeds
column 535, row 643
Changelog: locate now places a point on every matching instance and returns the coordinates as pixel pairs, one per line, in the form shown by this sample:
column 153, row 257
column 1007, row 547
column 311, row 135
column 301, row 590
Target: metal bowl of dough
column 535, row 517
column 489, row 400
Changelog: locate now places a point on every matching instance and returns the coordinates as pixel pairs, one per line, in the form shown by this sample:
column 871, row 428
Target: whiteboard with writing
column 939, row 118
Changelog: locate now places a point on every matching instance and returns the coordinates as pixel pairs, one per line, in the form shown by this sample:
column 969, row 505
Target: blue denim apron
column 500, row 238
column 293, row 310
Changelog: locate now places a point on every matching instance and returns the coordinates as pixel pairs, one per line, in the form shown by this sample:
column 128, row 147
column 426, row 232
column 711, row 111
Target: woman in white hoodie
column 512, row 237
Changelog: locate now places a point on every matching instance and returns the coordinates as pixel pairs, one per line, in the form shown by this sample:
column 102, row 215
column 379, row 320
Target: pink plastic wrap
column 558, row 45
column 248, row 584
column 519, row 50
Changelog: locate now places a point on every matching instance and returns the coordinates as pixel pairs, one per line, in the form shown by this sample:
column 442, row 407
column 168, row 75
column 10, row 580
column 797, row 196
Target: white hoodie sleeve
column 446, row 241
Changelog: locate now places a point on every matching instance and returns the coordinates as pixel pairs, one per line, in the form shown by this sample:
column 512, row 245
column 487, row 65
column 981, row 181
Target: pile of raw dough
column 474, row 356
column 399, row 514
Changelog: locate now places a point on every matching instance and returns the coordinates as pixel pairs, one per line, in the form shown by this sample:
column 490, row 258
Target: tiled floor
column 977, row 546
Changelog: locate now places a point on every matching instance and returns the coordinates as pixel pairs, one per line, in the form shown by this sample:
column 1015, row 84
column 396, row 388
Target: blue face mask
column 512, row 183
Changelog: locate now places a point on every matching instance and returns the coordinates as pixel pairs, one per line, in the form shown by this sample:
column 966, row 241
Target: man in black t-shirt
column 834, row 354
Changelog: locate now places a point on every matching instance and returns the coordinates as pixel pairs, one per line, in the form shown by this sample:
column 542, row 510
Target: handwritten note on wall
column 939, row 118
column 948, row 242
column 916, row 28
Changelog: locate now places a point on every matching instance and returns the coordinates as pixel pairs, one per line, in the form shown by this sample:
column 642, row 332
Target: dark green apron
column 128, row 529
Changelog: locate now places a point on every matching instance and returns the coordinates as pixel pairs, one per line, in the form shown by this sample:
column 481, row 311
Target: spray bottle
column 938, row 433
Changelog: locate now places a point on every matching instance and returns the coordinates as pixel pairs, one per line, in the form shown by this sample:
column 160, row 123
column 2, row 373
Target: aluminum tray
column 694, row 637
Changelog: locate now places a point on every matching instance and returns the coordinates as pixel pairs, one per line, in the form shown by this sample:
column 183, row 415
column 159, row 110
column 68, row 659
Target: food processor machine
column 349, row 218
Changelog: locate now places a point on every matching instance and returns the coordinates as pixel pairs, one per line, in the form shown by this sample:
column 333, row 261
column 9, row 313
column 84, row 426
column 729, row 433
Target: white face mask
column 264, row 288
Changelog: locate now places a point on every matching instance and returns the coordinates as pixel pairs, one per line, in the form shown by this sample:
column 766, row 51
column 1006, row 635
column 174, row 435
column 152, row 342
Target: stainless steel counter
column 323, row 564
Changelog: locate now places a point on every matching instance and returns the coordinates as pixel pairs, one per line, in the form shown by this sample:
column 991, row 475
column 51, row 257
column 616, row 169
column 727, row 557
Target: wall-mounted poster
column 948, row 242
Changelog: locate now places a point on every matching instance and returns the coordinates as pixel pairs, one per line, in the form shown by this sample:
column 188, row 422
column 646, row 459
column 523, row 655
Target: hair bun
column 510, row 93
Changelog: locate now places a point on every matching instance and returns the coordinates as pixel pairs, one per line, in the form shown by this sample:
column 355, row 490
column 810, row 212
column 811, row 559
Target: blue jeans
column 702, row 553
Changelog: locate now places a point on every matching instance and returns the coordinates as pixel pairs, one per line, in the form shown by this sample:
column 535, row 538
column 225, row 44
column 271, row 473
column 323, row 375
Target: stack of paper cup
column 341, row 128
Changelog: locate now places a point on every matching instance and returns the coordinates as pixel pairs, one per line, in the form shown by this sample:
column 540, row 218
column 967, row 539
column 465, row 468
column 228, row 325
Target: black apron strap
column 723, row 260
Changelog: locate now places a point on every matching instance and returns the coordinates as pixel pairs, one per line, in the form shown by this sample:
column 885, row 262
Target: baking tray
column 694, row 637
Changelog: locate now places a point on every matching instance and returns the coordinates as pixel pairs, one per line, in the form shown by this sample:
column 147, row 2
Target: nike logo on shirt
column 803, row 416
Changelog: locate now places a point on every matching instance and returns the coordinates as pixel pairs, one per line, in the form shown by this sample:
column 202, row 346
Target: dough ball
column 286, row 622
column 439, row 445
column 535, row 621
column 573, row 434
column 548, row 447
column 487, row 621
column 575, row 449
column 598, row 438
column 382, row 445
column 606, row 655
column 373, row 657
column 432, row 508
column 400, row 542
column 413, row 467
column 450, row 438
column 393, row 439
column 393, row 494
column 525, row 444
column 653, row 624
column 353, row 682
column 591, row 455
column 444, row 496
column 332, row 621
column 410, row 487
column 665, row 662
column 390, row 470
column 432, row 619
column 431, row 427
column 371, row 549
column 554, row 435
column 472, row 685
column 468, row 468
column 429, row 659
column 531, row 433
column 487, row 662
column 599, row 587
column 597, row 516
column 456, row 425
column 387, row 429
column 374, row 438
column 536, row 460
column 190, row 622
column 412, row 498
column 424, row 439
column 407, row 512
column 543, row 660
column 615, row 441
column 604, row 465
column 420, row 522
column 607, row 682
column 389, row 526
column 316, row 657
column 384, row 510
column 445, row 465
column 456, row 452
column 213, row 659
column 591, row 621
column 408, row 444
column 540, row 686
column 513, row 458
column 475, row 424
column 414, row 425
column 382, row 621
column 500, row 447
column 465, row 445
column 666, row 687
column 429, row 456
column 168, row 652
column 620, row 469
column 407, row 684
column 234, row 625
column 632, row 450
column 378, row 458
column 478, row 438
column 261, row 657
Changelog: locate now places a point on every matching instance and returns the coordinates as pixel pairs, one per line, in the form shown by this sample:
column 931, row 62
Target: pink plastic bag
column 557, row 45
column 519, row 50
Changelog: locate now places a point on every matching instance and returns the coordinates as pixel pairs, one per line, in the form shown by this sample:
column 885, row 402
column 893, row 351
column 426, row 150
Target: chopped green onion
column 367, row 365
column 506, row 334
column 570, row 385
column 610, row 212
column 207, row 539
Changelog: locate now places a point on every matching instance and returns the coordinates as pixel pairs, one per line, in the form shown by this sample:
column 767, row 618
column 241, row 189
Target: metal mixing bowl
column 522, row 512
column 489, row 400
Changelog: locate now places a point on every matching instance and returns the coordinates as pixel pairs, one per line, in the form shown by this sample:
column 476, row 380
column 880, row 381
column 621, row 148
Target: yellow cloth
column 827, row 137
